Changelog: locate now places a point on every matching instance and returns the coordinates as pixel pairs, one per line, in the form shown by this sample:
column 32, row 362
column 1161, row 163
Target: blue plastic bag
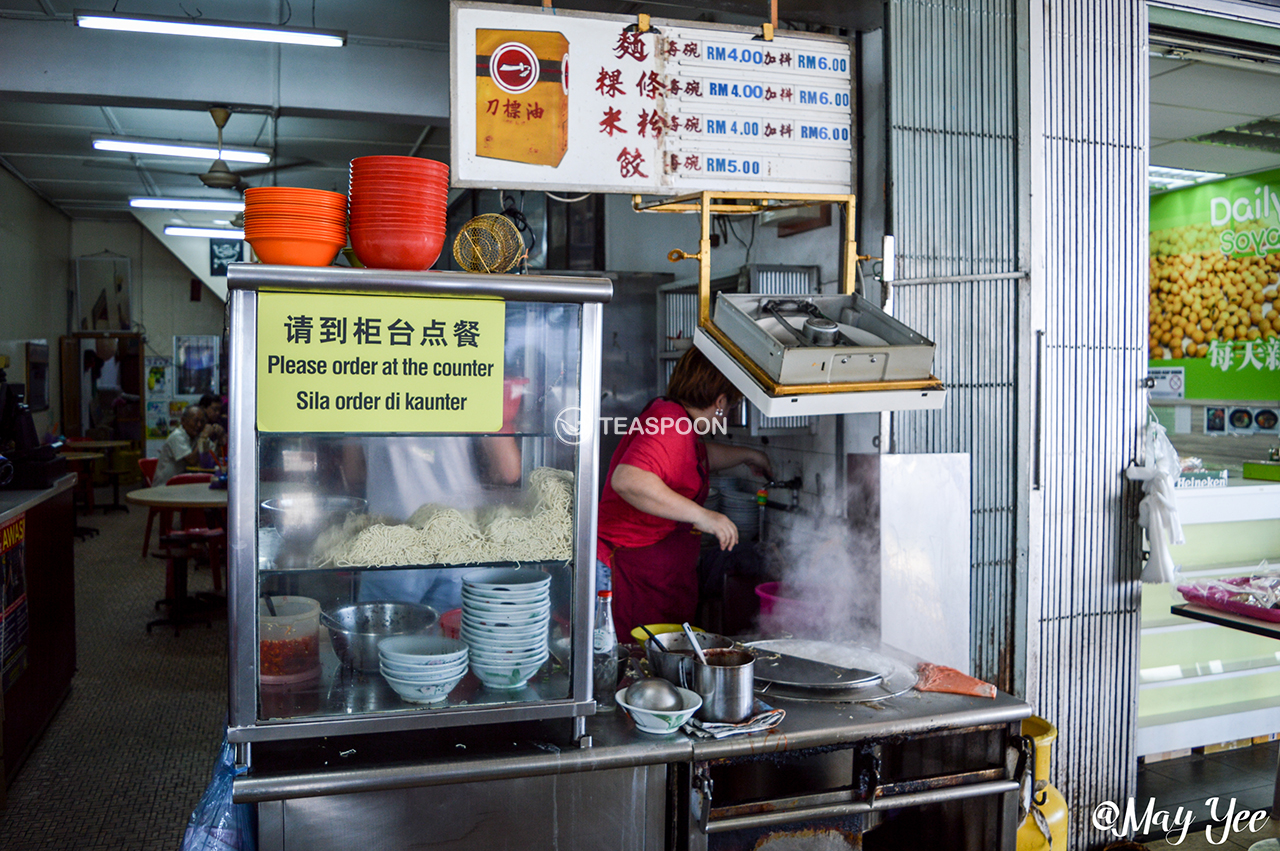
column 217, row 824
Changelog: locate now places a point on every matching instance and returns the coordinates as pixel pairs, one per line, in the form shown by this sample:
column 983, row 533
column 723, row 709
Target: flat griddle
column 783, row 669
column 827, row 671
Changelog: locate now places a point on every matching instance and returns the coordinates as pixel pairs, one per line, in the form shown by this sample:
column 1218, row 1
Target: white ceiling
column 60, row 85
column 315, row 108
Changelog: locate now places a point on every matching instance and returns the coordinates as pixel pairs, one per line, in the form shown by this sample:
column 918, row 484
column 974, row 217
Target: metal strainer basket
column 488, row 243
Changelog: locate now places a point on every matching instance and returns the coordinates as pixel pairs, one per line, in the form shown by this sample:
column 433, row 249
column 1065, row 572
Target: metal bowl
column 355, row 630
column 676, row 665
column 302, row 518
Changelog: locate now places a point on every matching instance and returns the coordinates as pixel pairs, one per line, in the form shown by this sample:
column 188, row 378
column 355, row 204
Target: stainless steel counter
column 13, row 503
column 359, row 764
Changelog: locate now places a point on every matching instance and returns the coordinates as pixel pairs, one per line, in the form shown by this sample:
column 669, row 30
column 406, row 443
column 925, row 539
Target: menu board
column 1213, row 275
column 569, row 101
column 353, row 363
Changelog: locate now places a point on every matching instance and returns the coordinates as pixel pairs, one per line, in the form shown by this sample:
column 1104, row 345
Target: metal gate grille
column 999, row 166
column 1095, row 106
column 954, row 203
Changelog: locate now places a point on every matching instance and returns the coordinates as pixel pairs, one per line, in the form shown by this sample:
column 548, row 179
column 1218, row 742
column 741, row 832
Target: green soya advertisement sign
column 1214, row 266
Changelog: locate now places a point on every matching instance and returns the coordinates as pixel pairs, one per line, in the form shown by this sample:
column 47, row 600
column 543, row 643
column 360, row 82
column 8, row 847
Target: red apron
column 659, row 583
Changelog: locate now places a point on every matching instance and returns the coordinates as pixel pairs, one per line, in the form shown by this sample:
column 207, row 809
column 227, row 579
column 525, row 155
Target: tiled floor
column 1242, row 779
column 130, row 752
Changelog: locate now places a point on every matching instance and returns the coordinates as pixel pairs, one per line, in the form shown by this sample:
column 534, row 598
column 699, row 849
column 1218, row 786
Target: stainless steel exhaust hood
column 811, row 355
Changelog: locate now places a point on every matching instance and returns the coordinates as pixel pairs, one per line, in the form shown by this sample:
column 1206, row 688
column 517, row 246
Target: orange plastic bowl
column 386, row 248
column 293, row 211
column 295, row 250
column 294, row 193
column 310, row 231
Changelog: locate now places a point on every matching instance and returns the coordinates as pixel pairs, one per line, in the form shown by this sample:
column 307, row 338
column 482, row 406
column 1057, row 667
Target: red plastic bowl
column 388, row 161
column 772, row 603
column 416, row 219
column 402, row 192
column 451, row 623
column 295, row 250
column 386, row 248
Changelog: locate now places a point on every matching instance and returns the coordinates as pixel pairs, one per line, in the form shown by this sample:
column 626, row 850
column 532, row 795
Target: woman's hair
column 695, row 382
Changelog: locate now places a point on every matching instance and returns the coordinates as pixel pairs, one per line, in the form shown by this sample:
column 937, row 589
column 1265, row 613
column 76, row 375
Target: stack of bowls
column 742, row 508
column 422, row 668
column 397, row 209
column 295, row 227
column 506, row 616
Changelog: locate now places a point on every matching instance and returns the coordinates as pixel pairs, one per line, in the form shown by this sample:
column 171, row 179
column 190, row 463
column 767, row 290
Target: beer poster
column 13, row 600
column 560, row 100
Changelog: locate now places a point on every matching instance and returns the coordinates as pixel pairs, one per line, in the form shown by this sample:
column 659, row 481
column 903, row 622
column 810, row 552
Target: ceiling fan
column 219, row 176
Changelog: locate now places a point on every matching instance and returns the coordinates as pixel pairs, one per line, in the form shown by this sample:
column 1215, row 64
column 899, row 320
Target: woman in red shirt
column 651, row 514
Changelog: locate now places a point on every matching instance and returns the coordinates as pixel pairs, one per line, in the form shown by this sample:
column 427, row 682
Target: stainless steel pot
column 676, row 665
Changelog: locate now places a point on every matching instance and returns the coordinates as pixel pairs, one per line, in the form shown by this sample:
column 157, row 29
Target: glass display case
column 412, row 499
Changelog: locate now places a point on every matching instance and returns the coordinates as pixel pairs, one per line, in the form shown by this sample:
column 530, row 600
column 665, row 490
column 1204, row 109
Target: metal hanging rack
column 708, row 203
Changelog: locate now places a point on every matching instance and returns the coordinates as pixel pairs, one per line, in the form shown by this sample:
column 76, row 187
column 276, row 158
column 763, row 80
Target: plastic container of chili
column 289, row 640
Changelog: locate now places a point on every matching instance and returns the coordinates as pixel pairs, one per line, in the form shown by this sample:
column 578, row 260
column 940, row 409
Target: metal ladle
column 693, row 640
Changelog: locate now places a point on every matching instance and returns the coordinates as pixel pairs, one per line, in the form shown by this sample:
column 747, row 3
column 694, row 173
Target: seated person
column 211, row 405
column 183, row 447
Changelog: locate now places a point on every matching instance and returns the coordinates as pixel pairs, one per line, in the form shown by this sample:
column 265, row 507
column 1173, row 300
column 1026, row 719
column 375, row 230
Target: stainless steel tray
column 904, row 356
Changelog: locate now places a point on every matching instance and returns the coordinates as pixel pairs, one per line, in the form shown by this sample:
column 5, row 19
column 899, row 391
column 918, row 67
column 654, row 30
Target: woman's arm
column 722, row 456
column 646, row 492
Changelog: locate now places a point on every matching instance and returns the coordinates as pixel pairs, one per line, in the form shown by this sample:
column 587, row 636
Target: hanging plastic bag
column 217, row 824
column 1158, row 511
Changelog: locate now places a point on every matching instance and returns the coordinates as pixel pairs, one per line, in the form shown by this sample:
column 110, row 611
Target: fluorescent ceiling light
column 187, row 204
column 211, row 233
column 202, row 28
column 1160, row 178
column 175, row 149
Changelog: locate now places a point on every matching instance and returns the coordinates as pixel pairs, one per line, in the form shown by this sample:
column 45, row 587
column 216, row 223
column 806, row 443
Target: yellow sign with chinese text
column 358, row 363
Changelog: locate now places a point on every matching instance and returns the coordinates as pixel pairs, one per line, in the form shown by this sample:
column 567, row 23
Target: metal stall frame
column 245, row 281
column 705, row 204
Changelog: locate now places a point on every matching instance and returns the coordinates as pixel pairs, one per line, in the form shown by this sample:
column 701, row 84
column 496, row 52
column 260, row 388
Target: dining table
column 108, row 448
column 193, row 495
column 81, row 464
column 176, row 497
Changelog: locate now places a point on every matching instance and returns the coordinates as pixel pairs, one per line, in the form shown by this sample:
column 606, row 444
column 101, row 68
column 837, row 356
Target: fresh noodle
column 438, row 534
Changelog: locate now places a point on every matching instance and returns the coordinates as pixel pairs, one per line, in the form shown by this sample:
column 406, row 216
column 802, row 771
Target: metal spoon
column 271, row 607
column 693, row 640
column 656, row 641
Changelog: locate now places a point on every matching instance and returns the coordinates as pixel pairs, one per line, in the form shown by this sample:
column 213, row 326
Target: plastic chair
column 148, row 468
column 195, row 521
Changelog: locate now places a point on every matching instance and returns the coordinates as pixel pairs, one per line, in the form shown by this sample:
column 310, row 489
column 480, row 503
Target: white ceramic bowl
column 661, row 722
column 422, row 673
column 499, row 625
column 529, row 597
column 507, row 675
column 422, row 649
column 504, row 631
column 489, row 642
column 506, row 579
column 497, row 657
column 433, row 692
column 508, row 609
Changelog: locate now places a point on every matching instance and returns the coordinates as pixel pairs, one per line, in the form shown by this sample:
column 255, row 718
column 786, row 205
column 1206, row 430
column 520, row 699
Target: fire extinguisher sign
column 573, row 101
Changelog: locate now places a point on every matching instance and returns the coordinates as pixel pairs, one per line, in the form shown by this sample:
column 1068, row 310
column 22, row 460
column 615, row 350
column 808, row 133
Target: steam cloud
column 829, row 576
